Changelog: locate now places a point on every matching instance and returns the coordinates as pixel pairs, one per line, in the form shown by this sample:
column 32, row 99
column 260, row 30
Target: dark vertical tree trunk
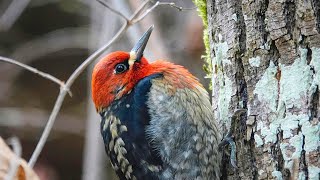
column 266, row 58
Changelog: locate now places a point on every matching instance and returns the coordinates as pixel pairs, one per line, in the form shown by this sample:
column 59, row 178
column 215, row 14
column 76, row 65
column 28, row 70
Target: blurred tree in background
column 56, row 36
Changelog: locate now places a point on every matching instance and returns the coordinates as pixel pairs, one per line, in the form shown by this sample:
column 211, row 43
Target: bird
column 156, row 118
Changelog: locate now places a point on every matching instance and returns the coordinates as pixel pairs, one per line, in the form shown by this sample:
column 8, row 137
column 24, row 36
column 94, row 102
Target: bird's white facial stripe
column 132, row 58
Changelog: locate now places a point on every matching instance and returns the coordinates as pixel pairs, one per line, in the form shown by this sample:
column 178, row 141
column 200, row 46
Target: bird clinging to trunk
column 156, row 118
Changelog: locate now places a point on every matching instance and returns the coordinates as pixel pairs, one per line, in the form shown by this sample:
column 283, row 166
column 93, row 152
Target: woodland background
column 56, row 36
column 261, row 55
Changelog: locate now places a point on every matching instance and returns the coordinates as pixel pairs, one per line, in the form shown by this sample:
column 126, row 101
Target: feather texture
column 157, row 121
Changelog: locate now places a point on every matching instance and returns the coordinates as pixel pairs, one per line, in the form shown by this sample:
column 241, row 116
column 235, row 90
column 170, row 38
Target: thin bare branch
column 113, row 10
column 12, row 13
column 95, row 55
column 138, row 11
column 34, row 70
column 158, row 3
column 139, row 18
column 14, row 164
column 172, row 4
column 62, row 94
column 136, row 17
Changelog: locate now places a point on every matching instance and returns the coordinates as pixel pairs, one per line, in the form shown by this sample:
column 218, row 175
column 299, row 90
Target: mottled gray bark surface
column 266, row 58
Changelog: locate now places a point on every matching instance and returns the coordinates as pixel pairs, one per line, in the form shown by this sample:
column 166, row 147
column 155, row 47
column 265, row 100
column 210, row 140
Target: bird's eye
column 120, row 68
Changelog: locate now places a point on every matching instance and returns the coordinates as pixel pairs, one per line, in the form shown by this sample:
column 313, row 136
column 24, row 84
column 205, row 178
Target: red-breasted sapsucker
column 156, row 119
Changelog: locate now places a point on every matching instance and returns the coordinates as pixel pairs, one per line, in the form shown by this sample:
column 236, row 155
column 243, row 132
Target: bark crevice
column 278, row 157
column 241, row 27
column 274, row 53
column 314, row 104
column 316, row 10
column 289, row 14
column 261, row 17
column 303, row 166
column 309, row 55
column 242, row 93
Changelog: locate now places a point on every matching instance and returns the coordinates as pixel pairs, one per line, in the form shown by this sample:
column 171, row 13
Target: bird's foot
column 229, row 139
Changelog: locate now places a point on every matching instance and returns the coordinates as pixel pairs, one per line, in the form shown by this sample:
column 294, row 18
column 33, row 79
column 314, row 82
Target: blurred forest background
column 56, row 36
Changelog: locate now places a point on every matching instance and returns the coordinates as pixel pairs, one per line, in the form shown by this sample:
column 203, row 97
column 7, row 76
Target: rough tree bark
column 265, row 57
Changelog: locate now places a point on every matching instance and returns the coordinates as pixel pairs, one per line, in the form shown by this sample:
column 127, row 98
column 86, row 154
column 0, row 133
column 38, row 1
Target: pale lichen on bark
column 300, row 132
column 266, row 58
column 225, row 84
column 255, row 61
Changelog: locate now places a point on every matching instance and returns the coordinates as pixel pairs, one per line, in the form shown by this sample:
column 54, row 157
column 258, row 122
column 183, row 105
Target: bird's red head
column 117, row 73
column 114, row 76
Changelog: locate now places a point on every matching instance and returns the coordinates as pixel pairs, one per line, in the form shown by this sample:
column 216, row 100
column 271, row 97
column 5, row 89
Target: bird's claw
column 229, row 139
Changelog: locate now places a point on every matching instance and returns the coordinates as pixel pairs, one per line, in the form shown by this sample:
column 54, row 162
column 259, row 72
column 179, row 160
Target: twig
column 158, row 3
column 113, row 10
column 12, row 13
column 14, row 164
column 139, row 10
column 62, row 95
column 172, row 4
column 135, row 18
column 145, row 13
column 34, row 70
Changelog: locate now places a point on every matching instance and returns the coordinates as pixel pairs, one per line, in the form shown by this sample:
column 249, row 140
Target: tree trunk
column 265, row 58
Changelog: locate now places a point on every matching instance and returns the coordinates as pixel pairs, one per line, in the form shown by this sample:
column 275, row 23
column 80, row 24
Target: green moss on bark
column 202, row 11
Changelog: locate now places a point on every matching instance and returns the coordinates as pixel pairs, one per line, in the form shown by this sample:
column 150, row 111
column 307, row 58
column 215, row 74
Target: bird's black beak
column 137, row 51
